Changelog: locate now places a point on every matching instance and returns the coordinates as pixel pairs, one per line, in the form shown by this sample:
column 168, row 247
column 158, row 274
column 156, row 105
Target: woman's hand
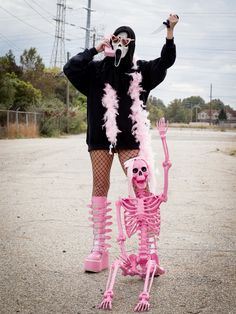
column 173, row 20
column 104, row 43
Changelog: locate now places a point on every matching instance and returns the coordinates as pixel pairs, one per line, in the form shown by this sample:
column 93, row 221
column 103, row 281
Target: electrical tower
column 58, row 57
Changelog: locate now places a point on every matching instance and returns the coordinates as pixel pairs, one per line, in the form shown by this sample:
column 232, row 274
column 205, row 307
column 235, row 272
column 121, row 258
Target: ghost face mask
column 120, row 45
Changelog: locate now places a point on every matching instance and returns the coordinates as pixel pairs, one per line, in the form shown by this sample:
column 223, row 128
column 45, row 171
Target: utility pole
column 88, row 24
column 58, row 56
column 210, row 104
column 94, row 39
column 67, row 97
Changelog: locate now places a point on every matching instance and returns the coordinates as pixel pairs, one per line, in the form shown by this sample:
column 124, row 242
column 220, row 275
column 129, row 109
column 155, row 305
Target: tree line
column 30, row 86
column 186, row 110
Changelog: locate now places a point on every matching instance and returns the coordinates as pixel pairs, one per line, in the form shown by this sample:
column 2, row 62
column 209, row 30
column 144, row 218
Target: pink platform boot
column 98, row 259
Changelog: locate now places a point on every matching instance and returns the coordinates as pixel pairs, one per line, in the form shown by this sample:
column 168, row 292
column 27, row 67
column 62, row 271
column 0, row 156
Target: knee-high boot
column 98, row 259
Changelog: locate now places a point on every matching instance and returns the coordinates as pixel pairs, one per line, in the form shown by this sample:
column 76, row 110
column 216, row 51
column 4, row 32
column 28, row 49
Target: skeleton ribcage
column 141, row 211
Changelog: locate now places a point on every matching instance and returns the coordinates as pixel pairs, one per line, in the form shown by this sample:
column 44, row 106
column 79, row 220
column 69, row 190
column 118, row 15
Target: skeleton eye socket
column 144, row 169
column 135, row 170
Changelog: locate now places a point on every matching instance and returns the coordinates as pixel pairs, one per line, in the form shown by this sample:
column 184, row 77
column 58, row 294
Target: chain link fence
column 15, row 124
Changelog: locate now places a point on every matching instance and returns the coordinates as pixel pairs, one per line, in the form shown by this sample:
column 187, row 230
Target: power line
column 43, row 9
column 37, row 29
column 38, row 13
column 10, row 42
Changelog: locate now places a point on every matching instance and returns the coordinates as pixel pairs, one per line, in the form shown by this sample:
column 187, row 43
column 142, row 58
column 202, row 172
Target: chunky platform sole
column 96, row 265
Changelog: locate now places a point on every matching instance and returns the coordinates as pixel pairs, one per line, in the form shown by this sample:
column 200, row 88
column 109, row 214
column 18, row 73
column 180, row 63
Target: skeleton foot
column 143, row 304
column 107, row 301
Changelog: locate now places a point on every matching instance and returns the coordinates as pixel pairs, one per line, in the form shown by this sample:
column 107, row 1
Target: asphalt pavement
column 45, row 186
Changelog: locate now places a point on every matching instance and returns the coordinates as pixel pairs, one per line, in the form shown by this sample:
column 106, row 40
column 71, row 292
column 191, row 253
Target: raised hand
column 162, row 127
column 173, row 20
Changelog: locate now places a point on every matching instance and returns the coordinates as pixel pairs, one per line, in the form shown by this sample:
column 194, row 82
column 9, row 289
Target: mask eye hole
column 135, row 170
column 144, row 169
column 125, row 41
column 115, row 39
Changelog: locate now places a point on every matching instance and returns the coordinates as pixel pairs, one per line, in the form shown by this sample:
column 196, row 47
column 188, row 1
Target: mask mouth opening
column 118, row 54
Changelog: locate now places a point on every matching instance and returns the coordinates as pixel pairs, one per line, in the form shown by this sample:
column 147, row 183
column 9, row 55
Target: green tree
column 48, row 82
column 7, row 91
column 26, row 96
column 30, row 60
column 156, row 109
column 176, row 112
column 215, row 104
column 222, row 115
column 80, row 102
column 194, row 104
column 32, row 66
column 8, row 65
column 192, row 101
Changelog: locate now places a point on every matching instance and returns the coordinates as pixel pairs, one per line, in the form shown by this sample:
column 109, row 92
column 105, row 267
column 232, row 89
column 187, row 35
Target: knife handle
column 167, row 23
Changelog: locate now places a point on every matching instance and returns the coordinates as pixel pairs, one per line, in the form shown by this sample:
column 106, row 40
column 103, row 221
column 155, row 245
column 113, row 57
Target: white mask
column 120, row 49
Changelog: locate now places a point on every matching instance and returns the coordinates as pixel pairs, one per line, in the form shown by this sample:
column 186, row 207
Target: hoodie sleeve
column 77, row 70
column 154, row 71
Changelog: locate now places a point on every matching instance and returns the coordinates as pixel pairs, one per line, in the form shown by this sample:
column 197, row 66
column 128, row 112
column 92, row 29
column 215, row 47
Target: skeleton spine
column 143, row 241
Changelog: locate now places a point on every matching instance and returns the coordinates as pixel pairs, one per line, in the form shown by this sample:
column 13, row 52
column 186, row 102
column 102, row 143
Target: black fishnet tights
column 101, row 167
column 125, row 155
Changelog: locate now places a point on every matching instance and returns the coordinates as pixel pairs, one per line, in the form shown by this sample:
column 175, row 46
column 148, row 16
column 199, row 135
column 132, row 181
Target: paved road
column 44, row 188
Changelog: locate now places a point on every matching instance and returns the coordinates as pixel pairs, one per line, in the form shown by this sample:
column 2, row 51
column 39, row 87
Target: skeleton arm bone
column 121, row 237
column 162, row 128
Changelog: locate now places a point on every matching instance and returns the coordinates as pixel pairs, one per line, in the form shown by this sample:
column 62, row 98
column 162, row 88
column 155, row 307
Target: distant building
column 204, row 116
column 231, row 116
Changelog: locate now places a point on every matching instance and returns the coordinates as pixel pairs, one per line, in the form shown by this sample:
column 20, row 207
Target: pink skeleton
column 142, row 215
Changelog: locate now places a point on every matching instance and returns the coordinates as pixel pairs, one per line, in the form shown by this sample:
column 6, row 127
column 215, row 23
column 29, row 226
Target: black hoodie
column 90, row 77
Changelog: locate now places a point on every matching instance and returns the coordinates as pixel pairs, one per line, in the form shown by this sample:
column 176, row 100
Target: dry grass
column 22, row 130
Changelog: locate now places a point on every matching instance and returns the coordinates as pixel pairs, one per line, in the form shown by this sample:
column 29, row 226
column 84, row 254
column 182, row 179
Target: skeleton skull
column 140, row 174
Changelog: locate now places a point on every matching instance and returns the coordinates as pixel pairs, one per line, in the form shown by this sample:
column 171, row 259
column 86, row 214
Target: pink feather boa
column 141, row 125
column 110, row 102
column 139, row 117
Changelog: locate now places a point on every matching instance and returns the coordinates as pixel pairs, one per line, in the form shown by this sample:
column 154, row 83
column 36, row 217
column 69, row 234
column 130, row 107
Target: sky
column 205, row 38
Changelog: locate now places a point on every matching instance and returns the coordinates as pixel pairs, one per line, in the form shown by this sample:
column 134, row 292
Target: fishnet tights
column 101, row 166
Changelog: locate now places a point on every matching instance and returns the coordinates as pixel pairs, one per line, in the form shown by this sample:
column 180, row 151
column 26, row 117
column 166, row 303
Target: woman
column 117, row 89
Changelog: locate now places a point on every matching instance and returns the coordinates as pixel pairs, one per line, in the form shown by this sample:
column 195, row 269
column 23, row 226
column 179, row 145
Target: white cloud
column 205, row 38
column 187, row 87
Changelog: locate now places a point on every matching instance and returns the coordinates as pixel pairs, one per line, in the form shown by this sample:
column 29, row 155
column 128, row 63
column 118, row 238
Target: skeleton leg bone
column 106, row 303
column 143, row 304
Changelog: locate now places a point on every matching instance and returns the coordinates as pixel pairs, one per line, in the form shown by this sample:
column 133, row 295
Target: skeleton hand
column 162, row 127
column 143, row 304
column 107, row 301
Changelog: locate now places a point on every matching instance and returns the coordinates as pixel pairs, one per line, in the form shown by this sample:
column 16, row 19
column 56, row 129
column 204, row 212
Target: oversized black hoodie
column 90, row 77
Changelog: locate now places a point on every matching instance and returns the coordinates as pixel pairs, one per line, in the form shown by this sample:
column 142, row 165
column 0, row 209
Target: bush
column 55, row 126
column 49, row 126
column 78, row 124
